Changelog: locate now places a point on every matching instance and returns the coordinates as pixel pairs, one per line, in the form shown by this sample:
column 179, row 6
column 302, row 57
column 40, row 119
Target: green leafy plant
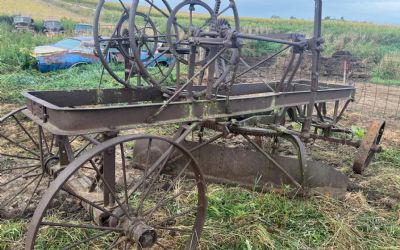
column 359, row 133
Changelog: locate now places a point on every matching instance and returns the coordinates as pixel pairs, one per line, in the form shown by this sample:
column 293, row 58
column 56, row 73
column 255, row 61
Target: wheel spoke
column 33, row 194
column 174, row 229
column 165, row 201
column 146, row 166
column 123, row 6
column 22, row 190
column 174, row 182
column 45, row 141
column 115, row 243
column 95, row 237
column 25, row 131
column 124, row 174
column 18, row 145
column 147, row 20
column 97, row 177
column 79, row 197
column 82, row 226
column 19, row 157
column 12, row 169
column 157, row 57
column 160, row 223
column 19, row 176
column 157, row 64
column 150, row 171
column 162, row 12
column 112, row 193
column 158, row 9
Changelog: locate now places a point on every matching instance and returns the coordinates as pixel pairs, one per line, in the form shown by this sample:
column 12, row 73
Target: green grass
column 390, row 157
column 376, row 45
column 83, row 77
column 241, row 219
column 10, row 233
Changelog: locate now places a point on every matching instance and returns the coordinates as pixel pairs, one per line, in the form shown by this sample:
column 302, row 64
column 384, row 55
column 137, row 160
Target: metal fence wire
column 378, row 100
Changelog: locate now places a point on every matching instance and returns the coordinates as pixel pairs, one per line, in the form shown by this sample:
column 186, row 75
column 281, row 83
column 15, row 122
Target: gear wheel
column 223, row 24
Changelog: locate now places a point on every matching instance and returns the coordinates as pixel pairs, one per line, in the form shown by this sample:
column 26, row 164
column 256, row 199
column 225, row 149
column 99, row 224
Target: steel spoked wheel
column 148, row 41
column 27, row 154
column 180, row 31
column 201, row 44
column 22, row 174
column 369, row 146
column 142, row 199
column 111, row 39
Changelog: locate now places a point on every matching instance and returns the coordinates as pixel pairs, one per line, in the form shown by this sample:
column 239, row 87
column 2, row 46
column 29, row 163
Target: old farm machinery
column 112, row 188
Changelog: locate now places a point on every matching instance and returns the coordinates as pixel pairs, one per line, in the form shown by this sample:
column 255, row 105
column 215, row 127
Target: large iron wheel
column 153, row 58
column 28, row 154
column 212, row 58
column 111, row 37
column 146, row 202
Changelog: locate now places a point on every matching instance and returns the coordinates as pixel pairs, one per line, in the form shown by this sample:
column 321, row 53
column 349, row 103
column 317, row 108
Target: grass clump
column 242, row 219
column 390, row 156
column 83, row 77
column 11, row 233
column 388, row 70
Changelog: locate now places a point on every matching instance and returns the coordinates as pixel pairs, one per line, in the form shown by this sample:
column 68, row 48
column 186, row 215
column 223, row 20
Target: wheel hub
column 139, row 232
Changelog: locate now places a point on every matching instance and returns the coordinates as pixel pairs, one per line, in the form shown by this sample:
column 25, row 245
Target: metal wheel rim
column 366, row 152
column 136, row 51
column 74, row 166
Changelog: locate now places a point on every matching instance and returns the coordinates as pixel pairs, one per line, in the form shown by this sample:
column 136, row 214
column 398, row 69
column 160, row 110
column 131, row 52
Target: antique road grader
column 79, row 161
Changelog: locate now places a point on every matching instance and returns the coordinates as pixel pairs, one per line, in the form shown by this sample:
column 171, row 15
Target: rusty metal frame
column 92, row 111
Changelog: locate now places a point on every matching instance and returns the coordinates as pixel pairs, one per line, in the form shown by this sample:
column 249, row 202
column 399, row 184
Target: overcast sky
column 377, row 11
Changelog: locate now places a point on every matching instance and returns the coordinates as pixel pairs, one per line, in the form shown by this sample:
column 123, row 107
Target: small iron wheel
column 142, row 199
column 369, row 146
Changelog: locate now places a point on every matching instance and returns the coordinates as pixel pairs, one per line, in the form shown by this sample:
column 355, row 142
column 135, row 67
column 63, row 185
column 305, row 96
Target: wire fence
column 376, row 100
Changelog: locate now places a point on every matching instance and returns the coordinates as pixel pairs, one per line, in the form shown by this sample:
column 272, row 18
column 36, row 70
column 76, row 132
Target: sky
column 376, row 11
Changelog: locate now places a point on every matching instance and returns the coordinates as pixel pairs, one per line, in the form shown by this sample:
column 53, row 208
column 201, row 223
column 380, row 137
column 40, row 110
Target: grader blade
column 251, row 169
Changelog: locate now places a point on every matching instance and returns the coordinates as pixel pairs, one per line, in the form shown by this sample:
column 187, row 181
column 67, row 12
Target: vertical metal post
column 40, row 130
column 345, row 70
column 211, row 74
column 128, row 68
column 66, row 154
column 109, row 170
column 192, row 67
column 178, row 73
column 316, row 54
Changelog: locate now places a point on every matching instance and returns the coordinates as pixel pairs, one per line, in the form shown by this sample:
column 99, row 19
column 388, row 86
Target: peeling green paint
column 274, row 106
column 99, row 96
